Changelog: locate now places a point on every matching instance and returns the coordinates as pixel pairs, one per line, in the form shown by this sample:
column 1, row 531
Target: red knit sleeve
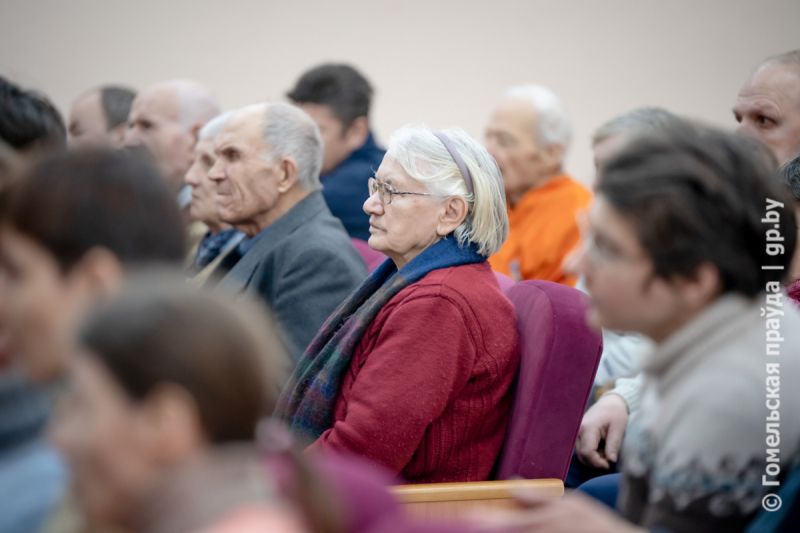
column 421, row 360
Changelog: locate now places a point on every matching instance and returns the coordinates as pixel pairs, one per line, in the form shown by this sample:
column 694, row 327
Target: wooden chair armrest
column 479, row 490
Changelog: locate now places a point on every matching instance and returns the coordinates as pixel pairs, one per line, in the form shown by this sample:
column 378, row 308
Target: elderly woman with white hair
column 414, row 369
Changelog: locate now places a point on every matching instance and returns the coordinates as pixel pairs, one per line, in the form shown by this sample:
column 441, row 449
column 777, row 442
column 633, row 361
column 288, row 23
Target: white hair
column 425, row 159
column 553, row 124
column 214, row 126
column 290, row 132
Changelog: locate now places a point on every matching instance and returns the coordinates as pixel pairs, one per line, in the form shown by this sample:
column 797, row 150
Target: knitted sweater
column 427, row 392
column 697, row 448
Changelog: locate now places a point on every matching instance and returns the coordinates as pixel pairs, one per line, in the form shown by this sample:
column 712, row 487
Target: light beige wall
column 438, row 61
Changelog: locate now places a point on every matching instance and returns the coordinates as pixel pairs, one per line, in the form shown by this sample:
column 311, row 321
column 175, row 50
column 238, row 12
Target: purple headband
column 457, row 158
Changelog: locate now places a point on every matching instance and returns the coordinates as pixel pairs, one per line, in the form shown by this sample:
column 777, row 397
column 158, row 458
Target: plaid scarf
column 307, row 402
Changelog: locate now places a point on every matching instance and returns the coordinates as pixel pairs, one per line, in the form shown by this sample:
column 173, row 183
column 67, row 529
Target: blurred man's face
column 154, row 122
column 337, row 140
column 511, row 140
column 246, row 180
column 203, row 205
column 625, row 292
column 768, row 108
column 87, row 122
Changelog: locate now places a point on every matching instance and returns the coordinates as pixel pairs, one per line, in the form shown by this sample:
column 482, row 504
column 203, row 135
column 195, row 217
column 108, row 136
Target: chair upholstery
column 504, row 281
column 559, row 359
column 372, row 258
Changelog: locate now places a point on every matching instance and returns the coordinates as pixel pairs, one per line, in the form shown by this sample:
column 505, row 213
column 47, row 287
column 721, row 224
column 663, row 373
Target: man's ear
column 287, row 174
column 703, row 288
column 454, row 212
column 552, row 158
column 117, row 135
column 356, row 135
column 194, row 132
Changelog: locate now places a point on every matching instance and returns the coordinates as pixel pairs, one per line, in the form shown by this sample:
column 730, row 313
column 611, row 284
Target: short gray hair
column 290, row 132
column 425, row 159
column 214, row 126
column 640, row 120
column 553, row 125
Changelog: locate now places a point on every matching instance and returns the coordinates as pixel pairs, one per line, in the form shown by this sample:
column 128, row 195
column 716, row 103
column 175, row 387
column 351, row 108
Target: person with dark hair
column 790, row 172
column 687, row 242
column 768, row 105
column 28, row 121
column 165, row 423
column 99, row 117
column 69, row 229
column 160, row 419
column 338, row 98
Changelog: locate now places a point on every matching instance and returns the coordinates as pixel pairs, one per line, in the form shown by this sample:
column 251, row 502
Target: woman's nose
column 373, row 205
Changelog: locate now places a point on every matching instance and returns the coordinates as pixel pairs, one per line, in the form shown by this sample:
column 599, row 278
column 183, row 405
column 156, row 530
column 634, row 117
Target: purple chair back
column 504, row 281
column 371, row 257
column 559, row 359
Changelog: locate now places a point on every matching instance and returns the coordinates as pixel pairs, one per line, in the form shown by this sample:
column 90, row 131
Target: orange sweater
column 542, row 231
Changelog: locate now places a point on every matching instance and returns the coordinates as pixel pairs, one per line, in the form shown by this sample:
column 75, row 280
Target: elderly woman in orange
column 413, row 370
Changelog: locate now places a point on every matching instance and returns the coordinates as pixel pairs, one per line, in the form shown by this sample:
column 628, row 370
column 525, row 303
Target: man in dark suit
column 297, row 255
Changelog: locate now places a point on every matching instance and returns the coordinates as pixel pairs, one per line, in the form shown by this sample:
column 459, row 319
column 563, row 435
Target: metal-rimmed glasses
column 385, row 191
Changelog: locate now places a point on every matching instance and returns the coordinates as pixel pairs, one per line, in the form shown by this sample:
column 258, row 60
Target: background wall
column 439, row 61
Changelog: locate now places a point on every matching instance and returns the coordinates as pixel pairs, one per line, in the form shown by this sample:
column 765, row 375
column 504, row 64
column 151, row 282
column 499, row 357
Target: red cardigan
column 427, row 392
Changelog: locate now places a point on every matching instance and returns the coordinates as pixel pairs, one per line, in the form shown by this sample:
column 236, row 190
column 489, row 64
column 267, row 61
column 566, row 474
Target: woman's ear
column 170, row 424
column 454, row 212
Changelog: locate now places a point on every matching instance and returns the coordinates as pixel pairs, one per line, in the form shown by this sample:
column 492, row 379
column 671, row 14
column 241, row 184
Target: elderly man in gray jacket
column 297, row 256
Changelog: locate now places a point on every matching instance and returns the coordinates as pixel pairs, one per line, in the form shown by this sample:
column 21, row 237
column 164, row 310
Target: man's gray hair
column 290, row 132
column 640, row 120
column 214, row 126
column 553, row 125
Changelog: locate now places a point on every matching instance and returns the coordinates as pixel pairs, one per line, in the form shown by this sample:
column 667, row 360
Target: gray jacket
column 303, row 267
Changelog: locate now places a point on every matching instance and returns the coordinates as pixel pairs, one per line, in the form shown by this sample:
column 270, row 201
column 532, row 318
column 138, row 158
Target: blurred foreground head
column 70, row 226
column 678, row 222
column 164, row 377
column 29, row 123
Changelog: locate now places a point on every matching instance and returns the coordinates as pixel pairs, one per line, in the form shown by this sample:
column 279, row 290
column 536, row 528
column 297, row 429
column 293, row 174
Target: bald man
column 166, row 119
column 99, row 117
column 768, row 105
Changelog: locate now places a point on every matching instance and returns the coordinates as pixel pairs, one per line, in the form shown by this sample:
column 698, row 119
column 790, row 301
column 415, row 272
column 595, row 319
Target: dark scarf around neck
column 308, row 400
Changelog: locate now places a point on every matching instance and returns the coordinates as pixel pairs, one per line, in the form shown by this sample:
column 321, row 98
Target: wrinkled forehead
column 244, row 127
column 392, row 173
column 778, row 82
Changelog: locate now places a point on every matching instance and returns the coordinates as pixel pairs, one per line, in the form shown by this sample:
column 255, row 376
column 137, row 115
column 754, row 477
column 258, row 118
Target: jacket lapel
column 238, row 279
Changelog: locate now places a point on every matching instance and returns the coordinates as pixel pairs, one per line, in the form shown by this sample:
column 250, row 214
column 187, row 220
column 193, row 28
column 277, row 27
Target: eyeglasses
column 385, row 192
column 602, row 251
